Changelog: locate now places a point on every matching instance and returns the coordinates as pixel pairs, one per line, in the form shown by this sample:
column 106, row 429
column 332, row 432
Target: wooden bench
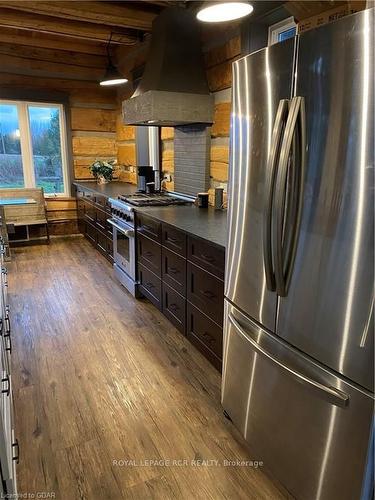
column 29, row 214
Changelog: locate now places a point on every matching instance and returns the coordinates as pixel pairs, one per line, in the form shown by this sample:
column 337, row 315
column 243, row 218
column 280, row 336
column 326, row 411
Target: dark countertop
column 206, row 223
column 111, row 190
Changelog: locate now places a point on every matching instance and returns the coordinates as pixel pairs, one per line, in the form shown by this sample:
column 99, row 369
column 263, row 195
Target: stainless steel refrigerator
column 298, row 377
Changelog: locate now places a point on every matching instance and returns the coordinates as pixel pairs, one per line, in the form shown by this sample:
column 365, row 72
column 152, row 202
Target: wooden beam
column 53, row 56
column 70, row 85
column 34, row 67
column 48, row 41
column 104, row 13
column 77, row 29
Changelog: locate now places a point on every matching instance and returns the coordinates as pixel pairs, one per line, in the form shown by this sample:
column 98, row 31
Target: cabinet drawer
column 101, row 222
column 149, row 254
column 90, row 212
column 150, row 285
column 174, row 307
column 90, row 233
column 205, row 292
column 207, row 353
column 149, row 227
column 100, row 200
column 101, row 219
column 105, row 245
column 174, row 271
column 206, row 330
column 207, row 256
column 89, row 196
column 174, row 239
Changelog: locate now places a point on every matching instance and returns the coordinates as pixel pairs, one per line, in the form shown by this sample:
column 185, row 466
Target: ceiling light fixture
column 224, row 11
column 112, row 75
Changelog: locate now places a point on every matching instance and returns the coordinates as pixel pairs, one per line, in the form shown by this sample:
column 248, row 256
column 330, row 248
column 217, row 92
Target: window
column 279, row 32
column 33, row 147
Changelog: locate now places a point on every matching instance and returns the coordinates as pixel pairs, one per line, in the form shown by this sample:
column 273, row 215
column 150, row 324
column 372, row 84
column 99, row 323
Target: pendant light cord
column 108, row 46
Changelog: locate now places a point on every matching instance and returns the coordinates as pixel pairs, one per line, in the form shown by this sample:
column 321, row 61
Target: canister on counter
column 202, row 200
column 219, row 198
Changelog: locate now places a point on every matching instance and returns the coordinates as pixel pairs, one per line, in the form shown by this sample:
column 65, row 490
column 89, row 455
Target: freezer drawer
column 310, row 428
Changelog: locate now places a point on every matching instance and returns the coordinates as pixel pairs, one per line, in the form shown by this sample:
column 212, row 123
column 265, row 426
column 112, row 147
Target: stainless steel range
column 122, row 221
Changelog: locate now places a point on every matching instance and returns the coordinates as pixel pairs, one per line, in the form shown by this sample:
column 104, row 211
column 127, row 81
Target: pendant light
column 112, row 75
column 224, row 11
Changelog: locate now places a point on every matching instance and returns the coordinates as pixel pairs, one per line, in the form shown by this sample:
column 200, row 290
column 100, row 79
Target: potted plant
column 103, row 170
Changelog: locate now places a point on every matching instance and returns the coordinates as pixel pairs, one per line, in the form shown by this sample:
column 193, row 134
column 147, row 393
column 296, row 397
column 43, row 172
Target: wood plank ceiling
column 68, row 39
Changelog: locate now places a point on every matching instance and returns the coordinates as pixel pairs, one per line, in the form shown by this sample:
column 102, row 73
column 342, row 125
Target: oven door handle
column 128, row 232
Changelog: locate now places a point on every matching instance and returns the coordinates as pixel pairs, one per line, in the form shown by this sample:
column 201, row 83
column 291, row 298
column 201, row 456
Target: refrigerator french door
column 298, row 337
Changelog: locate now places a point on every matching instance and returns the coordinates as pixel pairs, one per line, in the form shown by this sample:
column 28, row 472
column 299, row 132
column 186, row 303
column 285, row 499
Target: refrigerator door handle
column 333, row 395
column 294, row 137
column 277, row 134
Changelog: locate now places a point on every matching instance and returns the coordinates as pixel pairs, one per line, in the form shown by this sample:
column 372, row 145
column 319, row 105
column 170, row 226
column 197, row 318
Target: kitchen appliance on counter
column 145, row 175
column 298, row 375
column 122, row 221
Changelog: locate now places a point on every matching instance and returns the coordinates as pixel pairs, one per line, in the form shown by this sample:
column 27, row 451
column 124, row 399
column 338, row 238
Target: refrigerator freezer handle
column 296, row 118
column 333, row 395
column 277, row 135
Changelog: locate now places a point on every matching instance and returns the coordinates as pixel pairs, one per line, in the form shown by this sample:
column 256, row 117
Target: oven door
column 124, row 247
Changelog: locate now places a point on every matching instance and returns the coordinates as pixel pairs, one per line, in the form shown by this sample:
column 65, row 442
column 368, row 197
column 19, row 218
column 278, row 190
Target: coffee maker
column 145, row 176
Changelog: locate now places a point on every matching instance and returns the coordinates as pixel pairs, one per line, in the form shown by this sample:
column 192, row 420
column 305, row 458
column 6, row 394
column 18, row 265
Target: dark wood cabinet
column 149, row 254
column 93, row 212
column 205, row 292
column 150, row 285
column 206, row 330
column 101, row 219
column 174, row 307
column 90, row 212
column 174, row 270
column 207, row 256
column 148, row 227
column 183, row 276
column 91, row 233
column 174, row 239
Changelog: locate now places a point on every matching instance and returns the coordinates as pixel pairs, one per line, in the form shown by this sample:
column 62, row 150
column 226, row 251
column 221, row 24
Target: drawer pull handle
column 171, row 239
column 145, row 227
column 208, row 294
column 16, row 458
column 7, row 325
column 7, row 382
column 149, row 285
column 173, row 307
column 209, row 338
column 148, row 254
column 208, row 258
column 173, row 270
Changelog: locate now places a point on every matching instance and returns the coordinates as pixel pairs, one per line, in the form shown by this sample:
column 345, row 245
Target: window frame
column 26, row 143
column 275, row 29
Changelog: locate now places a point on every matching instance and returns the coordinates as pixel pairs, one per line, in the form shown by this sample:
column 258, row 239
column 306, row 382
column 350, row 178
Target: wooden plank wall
column 219, row 74
column 167, row 156
column 125, row 140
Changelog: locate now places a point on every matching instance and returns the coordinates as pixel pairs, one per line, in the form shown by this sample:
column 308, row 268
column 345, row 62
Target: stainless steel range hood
column 173, row 90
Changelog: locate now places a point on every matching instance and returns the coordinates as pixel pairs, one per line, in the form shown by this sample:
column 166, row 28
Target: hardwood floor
column 100, row 377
